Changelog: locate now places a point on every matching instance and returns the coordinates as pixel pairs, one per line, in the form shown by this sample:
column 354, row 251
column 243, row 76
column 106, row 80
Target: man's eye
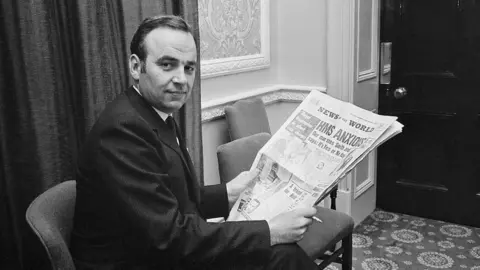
column 190, row 69
column 166, row 65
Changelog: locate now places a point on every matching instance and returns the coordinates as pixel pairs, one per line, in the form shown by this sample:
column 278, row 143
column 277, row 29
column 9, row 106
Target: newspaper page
column 321, row 141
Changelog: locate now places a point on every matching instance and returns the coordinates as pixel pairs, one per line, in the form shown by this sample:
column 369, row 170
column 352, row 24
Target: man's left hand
column 238, row 184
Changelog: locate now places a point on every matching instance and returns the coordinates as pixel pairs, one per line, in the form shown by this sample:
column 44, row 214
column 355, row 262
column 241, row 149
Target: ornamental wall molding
column 214, row 109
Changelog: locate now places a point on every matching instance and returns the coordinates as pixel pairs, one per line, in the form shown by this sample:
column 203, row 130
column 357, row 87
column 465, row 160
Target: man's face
column 167, row 79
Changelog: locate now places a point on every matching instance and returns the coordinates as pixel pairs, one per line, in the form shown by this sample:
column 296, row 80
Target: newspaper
column 321, row 142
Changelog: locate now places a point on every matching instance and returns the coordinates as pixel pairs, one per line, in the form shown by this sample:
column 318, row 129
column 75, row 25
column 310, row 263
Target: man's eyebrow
column 166, row 58
column 192, row 63
column 173, row 59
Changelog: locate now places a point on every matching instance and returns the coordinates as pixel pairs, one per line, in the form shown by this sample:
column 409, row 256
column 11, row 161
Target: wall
column 214, row 88
column 297, row 65
column 297, row 51
column 300, row 34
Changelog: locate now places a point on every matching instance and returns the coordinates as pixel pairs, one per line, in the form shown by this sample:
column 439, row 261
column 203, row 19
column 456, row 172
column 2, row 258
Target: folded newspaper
column 321, row 142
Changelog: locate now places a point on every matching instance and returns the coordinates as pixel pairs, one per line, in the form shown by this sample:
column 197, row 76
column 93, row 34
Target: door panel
column 420, row 166
column 431, row 169
column 429, row 31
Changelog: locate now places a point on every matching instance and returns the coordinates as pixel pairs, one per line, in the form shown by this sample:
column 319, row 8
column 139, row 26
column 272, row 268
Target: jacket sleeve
column 129, row 160
column 214, row 201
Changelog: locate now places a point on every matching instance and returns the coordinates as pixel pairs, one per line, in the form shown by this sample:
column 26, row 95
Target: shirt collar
column 160, row 113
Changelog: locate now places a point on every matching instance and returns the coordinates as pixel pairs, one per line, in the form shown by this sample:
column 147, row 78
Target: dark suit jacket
column 139, row 205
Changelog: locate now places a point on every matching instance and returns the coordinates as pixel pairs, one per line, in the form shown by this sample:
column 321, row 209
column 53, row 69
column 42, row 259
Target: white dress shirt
column 160, row 113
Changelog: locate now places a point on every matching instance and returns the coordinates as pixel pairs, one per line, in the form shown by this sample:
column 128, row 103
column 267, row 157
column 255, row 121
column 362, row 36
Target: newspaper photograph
column 321, row 142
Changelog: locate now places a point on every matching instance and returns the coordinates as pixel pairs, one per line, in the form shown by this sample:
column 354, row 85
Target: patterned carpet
column 389, row 241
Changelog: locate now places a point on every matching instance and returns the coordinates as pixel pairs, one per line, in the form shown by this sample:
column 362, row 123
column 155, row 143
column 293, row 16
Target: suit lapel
column 189, row 163
column 166, row 136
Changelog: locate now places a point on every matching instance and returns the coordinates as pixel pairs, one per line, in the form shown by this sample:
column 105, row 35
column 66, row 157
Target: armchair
column 238, row 155
column 248, row 117
column 50, row 217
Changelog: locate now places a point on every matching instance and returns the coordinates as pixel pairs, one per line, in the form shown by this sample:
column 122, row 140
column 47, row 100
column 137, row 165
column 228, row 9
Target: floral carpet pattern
column 389, row 241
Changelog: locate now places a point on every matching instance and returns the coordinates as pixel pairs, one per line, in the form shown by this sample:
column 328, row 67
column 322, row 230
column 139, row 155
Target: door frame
column 343, row 78
column 340, row 38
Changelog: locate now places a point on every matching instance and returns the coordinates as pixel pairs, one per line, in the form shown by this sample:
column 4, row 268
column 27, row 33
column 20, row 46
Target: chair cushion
column 237, row 156
column 246, row 117
column 321, row 236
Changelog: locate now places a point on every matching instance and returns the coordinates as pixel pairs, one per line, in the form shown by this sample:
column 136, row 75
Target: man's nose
column 180, row 77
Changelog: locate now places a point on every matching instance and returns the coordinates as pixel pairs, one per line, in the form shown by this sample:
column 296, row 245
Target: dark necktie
column 171, row 124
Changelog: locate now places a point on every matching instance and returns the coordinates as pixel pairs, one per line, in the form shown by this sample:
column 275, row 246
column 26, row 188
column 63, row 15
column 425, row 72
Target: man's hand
column 238, row 184
column 289, row 227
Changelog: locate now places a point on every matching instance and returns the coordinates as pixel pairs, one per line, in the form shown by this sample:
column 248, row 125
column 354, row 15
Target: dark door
column 432, row 169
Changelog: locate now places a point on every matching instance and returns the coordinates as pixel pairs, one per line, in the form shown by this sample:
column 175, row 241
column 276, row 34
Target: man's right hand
column 289, row 227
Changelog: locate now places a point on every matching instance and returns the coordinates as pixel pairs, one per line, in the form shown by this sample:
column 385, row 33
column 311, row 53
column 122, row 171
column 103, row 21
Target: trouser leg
column 282, row 257
column 290, row 257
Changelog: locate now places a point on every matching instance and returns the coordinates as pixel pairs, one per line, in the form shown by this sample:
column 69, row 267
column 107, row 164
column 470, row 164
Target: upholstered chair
column 50, row 216
column 320, row 241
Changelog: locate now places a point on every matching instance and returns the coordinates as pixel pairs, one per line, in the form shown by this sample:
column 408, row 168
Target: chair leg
column 347, row 253
column 333, row 198
column 333, row 206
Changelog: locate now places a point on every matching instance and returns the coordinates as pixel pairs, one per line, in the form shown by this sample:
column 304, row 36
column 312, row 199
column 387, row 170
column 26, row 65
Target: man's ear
column 135, row 66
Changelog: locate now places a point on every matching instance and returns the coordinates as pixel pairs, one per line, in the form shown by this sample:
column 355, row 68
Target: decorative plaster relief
column 234, row 36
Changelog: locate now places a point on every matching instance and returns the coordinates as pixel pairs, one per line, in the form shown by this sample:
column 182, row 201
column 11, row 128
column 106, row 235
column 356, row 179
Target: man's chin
column 170, row 107
column 177, row 104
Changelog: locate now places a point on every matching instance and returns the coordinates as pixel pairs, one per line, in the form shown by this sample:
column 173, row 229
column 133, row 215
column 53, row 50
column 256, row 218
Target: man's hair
column 137, row 46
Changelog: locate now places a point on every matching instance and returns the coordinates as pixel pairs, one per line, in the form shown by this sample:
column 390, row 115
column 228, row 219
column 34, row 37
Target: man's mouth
column 177, row 92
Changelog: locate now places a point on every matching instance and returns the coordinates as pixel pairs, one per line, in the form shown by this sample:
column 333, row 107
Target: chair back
column 50, row 216
column 237, row 156
column 246, row 117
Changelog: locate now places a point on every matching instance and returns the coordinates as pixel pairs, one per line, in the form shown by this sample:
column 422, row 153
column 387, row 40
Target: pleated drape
column 61, row 62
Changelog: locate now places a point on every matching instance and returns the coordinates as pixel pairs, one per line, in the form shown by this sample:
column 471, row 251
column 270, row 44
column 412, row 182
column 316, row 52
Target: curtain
column 60, row 63
column 104, row 67
column 136, row 11
column 38, row 136
column 190, row 115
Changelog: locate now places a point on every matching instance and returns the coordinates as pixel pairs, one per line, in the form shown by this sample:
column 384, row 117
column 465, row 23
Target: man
column 138, row 202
